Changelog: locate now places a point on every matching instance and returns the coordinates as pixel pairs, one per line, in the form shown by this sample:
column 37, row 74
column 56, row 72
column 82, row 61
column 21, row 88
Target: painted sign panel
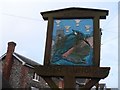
column 72, row 42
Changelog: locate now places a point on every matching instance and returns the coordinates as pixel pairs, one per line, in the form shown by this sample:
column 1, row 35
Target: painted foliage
column 72, row 42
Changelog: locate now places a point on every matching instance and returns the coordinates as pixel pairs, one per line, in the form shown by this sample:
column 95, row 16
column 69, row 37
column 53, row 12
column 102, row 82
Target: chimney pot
column 11, row 47
column 12, row 43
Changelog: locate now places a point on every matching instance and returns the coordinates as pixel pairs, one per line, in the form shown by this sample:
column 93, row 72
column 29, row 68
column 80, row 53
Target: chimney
column 8, row 60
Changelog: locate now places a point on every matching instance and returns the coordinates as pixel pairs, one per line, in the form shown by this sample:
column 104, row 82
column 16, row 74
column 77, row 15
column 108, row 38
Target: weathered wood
column 78, row 12
column 69, row 82
column 69, row 73
column 96, row 42
column 48, row 42
column 77, row 71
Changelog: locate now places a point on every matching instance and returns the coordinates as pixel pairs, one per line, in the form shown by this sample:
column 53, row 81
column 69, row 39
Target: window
column 36, row 77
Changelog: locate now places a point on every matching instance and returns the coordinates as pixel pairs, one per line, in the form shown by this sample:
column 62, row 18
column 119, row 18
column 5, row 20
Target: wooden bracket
column 70, row 73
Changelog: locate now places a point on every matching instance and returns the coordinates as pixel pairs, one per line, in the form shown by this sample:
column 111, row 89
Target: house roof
column 24, row 60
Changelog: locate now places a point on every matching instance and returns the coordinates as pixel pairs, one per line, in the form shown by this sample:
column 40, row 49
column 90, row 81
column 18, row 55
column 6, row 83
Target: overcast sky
column 21, row 22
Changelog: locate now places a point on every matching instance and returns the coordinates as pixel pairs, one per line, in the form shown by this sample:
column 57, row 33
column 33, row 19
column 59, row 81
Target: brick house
column 18, row 70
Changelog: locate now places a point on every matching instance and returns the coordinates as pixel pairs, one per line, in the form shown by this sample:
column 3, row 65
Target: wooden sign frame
column 95, row 14
column 94, row 72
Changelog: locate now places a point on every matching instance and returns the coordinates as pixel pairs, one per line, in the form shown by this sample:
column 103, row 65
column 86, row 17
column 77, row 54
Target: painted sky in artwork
column 70, row 42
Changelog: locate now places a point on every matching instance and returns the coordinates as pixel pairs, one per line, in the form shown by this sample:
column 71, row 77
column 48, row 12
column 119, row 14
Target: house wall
column 27, row 79
column 21, row 76
column 2, row 62
column 15, row 74
column 33, row 83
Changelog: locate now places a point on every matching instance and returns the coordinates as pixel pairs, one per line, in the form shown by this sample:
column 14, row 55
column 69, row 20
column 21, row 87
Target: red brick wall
column 8, row 60
column 15, row 74
column 24, row 76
